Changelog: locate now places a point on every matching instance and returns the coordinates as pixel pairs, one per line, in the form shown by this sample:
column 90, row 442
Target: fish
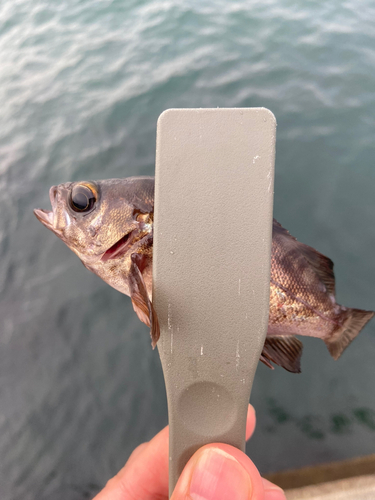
column 108, row 224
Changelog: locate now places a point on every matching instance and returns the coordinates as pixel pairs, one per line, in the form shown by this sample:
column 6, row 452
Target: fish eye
column 82, row 198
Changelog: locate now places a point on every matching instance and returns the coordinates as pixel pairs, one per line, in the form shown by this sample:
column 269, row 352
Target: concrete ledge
column 355, row 488
column 324, row 473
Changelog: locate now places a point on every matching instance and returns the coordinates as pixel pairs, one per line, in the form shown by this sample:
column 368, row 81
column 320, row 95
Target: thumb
column 218, row 472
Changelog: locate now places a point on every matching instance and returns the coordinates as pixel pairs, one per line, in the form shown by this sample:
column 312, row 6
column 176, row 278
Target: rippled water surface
column 81, row 86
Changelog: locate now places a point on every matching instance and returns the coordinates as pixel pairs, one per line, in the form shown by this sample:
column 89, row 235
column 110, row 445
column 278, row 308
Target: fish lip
column 45, row 217
column 53, row 194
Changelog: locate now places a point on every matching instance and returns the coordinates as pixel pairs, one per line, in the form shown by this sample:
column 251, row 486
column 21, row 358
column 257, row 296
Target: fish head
column 102, row 220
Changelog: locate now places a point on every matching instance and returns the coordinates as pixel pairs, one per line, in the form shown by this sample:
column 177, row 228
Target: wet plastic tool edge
column 211, row 268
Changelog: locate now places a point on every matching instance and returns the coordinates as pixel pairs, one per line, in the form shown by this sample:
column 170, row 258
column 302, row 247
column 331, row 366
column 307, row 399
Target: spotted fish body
column 109, row 225
column 302, row 295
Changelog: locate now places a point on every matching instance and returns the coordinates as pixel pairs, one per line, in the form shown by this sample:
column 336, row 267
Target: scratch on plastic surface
column 169, row 316
column 238, row 355
column 255, row 158
column 239, row 286
column 170, row 325
column 201, row 350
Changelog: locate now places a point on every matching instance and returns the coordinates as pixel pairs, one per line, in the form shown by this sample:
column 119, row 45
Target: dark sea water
column 81, row 86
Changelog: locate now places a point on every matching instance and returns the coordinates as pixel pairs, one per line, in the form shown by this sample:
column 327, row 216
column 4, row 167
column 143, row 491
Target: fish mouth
column 45, row 217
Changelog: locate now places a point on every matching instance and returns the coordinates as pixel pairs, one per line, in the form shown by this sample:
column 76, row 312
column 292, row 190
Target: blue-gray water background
column 81, row 86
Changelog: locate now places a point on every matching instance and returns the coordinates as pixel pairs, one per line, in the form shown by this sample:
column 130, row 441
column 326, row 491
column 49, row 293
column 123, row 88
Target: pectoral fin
column 284, row 351
column 141, row 302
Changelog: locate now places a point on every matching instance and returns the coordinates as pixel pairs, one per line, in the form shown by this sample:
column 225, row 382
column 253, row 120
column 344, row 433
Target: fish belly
column 298, row 312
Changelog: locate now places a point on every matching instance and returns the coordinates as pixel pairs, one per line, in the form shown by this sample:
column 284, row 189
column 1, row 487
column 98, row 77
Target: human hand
column 215, row 472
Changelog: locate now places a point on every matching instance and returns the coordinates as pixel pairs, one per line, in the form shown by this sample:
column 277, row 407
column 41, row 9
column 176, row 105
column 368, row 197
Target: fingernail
column 218, row 476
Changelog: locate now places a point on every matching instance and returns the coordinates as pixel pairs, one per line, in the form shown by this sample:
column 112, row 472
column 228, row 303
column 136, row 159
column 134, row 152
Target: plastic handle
column 211, row 269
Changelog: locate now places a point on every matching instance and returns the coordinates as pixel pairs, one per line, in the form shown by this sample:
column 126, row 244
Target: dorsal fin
column 322, row 265
column 284, row 351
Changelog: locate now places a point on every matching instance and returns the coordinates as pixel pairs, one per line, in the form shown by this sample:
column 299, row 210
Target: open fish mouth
column 45, row 217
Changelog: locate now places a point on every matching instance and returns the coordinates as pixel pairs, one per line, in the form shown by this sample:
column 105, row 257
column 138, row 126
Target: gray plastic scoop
column 211, row 268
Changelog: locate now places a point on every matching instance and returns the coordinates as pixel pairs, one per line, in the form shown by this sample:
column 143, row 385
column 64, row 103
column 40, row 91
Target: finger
column 145, row 474
column 219, row 472
column 222, row 472
column 250, row 422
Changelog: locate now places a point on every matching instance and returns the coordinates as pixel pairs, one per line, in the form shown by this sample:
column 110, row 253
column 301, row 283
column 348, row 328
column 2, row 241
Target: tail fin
column 356, row 319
